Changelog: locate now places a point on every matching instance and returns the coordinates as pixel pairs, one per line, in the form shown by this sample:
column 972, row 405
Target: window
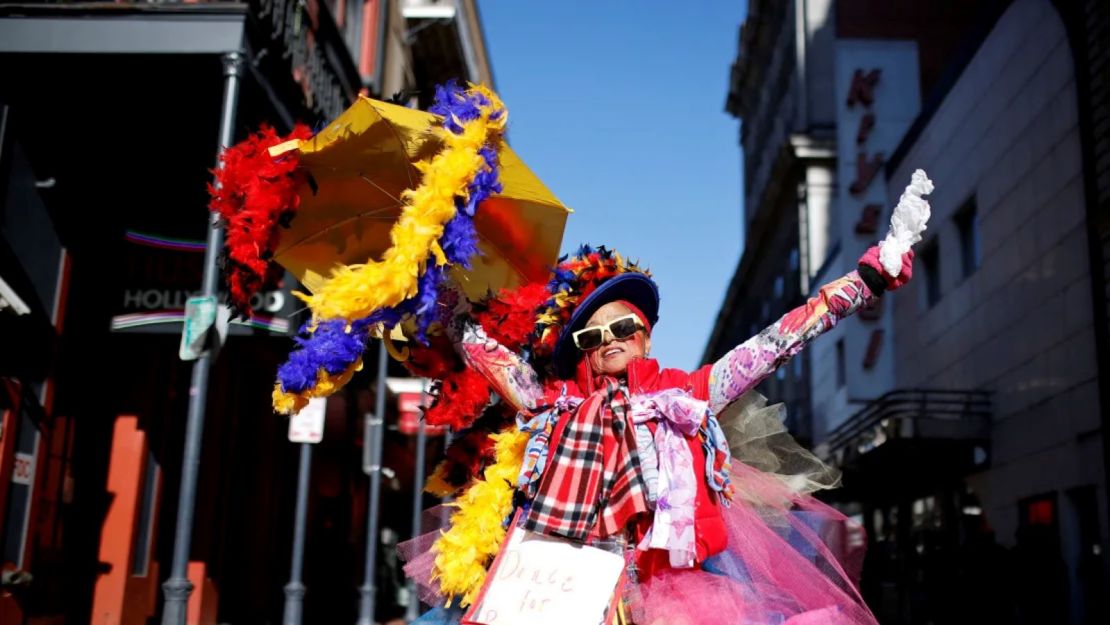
column 967, row 222
column 930, row 265
column 841, row 365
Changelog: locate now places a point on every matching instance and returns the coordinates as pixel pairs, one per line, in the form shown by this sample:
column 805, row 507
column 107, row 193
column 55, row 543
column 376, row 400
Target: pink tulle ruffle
column 791, row 560
column 419, row 557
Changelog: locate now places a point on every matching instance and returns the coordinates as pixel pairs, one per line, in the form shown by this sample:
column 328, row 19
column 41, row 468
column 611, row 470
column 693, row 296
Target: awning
column 910, row 439
column 121, row 28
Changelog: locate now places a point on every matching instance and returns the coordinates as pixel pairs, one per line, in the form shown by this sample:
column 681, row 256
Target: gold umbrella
column 359, row 166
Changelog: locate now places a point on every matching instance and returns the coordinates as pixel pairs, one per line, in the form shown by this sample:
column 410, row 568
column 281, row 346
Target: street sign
column 307, row 426
column 200, row 318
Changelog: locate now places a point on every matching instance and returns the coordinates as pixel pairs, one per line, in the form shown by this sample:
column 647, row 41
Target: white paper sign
column 23, row 471
column 539, row 580
column 307, row 426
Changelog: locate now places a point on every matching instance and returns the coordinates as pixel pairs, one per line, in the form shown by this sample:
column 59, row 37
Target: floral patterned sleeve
column 510, row 376
column 751, row 362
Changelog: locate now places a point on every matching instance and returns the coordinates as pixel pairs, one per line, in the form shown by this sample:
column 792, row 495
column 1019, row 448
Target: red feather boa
column 461, row 398
column 510, row 318
column 463, row 394
column 465, row 459
column 254, row 194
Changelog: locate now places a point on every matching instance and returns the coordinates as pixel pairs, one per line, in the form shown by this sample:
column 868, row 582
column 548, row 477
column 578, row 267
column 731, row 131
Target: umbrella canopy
column 358, row 167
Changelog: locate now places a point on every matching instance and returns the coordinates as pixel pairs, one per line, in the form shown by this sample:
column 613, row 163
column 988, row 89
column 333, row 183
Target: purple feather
column 331, row 347
column 460, row 240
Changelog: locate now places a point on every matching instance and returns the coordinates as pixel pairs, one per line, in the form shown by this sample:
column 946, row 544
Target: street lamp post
column 177, row 588
column 373, row 434
column 294, row 590
column 413, row 609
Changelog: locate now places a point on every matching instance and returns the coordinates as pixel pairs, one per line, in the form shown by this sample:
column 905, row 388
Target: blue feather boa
column 334, row 347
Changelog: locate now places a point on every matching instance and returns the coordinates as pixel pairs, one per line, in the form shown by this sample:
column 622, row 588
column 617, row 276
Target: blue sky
column 619, row 107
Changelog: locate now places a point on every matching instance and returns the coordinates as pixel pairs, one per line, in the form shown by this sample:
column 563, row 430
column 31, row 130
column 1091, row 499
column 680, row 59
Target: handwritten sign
column 540, row 580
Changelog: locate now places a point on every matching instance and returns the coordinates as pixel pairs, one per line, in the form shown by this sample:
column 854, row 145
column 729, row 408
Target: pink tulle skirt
column 791, row 560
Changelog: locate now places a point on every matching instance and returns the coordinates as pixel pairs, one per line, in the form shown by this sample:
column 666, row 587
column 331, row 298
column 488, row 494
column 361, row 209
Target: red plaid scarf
column 593, row 478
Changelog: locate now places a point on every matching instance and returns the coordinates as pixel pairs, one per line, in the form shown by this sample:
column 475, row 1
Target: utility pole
column 294, row 590
column 177, row 588
column 373, row 434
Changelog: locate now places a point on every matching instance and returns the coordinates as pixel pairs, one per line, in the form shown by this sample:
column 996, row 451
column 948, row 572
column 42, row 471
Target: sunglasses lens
column 588, row 339
column 623, row 328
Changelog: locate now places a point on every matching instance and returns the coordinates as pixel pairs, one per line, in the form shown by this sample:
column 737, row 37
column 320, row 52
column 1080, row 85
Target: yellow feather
column 292, row 403
column 477, row 528
column 355, row 291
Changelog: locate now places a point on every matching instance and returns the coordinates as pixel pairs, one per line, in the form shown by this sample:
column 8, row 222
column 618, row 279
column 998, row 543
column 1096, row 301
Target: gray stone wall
column 1021, row 326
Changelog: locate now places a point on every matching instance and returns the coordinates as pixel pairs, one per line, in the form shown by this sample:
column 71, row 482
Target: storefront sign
column 877, row 90
column 160, row 274
column 862, row 93
column 877, row 87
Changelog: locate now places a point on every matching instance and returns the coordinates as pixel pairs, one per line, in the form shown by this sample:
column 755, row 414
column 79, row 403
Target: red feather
column 510, row 318
column 436, row 360
column 467, row 456
column 254, row 195
column 461, row 398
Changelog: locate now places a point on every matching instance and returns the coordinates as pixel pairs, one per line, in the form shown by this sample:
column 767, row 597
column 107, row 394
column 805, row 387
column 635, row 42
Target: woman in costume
column 693, row 481
column 621, row 449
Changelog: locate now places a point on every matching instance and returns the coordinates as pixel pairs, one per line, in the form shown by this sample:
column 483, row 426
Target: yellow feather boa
column 438, row 486
column 477, row 528
column 355, row 291
column 291, row 403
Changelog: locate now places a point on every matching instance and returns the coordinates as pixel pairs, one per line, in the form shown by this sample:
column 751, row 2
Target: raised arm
column 510, row 376
column 752, row 361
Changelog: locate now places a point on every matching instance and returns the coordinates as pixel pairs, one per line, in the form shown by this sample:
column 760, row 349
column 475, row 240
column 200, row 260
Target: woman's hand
column 877, row 279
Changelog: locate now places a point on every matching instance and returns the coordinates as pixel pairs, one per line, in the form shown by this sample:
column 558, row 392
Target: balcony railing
column 922, row 414
column 295, row 41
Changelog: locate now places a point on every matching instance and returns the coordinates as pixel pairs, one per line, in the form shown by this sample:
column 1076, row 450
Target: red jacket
column 645, row 376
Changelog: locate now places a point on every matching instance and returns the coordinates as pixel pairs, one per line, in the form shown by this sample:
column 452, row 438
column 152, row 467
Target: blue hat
column 580, row 286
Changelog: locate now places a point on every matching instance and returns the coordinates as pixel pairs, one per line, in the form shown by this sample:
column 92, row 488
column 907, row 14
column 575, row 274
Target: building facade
column 800, row 136
column 965, row 411
column 109, row 120
column 781, row 88
column 1003, row 305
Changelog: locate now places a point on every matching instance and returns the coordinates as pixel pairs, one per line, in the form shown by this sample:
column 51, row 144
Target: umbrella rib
column 368, row 214
column 397, row 136
column 379, row 187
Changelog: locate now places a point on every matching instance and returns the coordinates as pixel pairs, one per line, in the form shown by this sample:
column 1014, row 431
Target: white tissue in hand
column 906, row 224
